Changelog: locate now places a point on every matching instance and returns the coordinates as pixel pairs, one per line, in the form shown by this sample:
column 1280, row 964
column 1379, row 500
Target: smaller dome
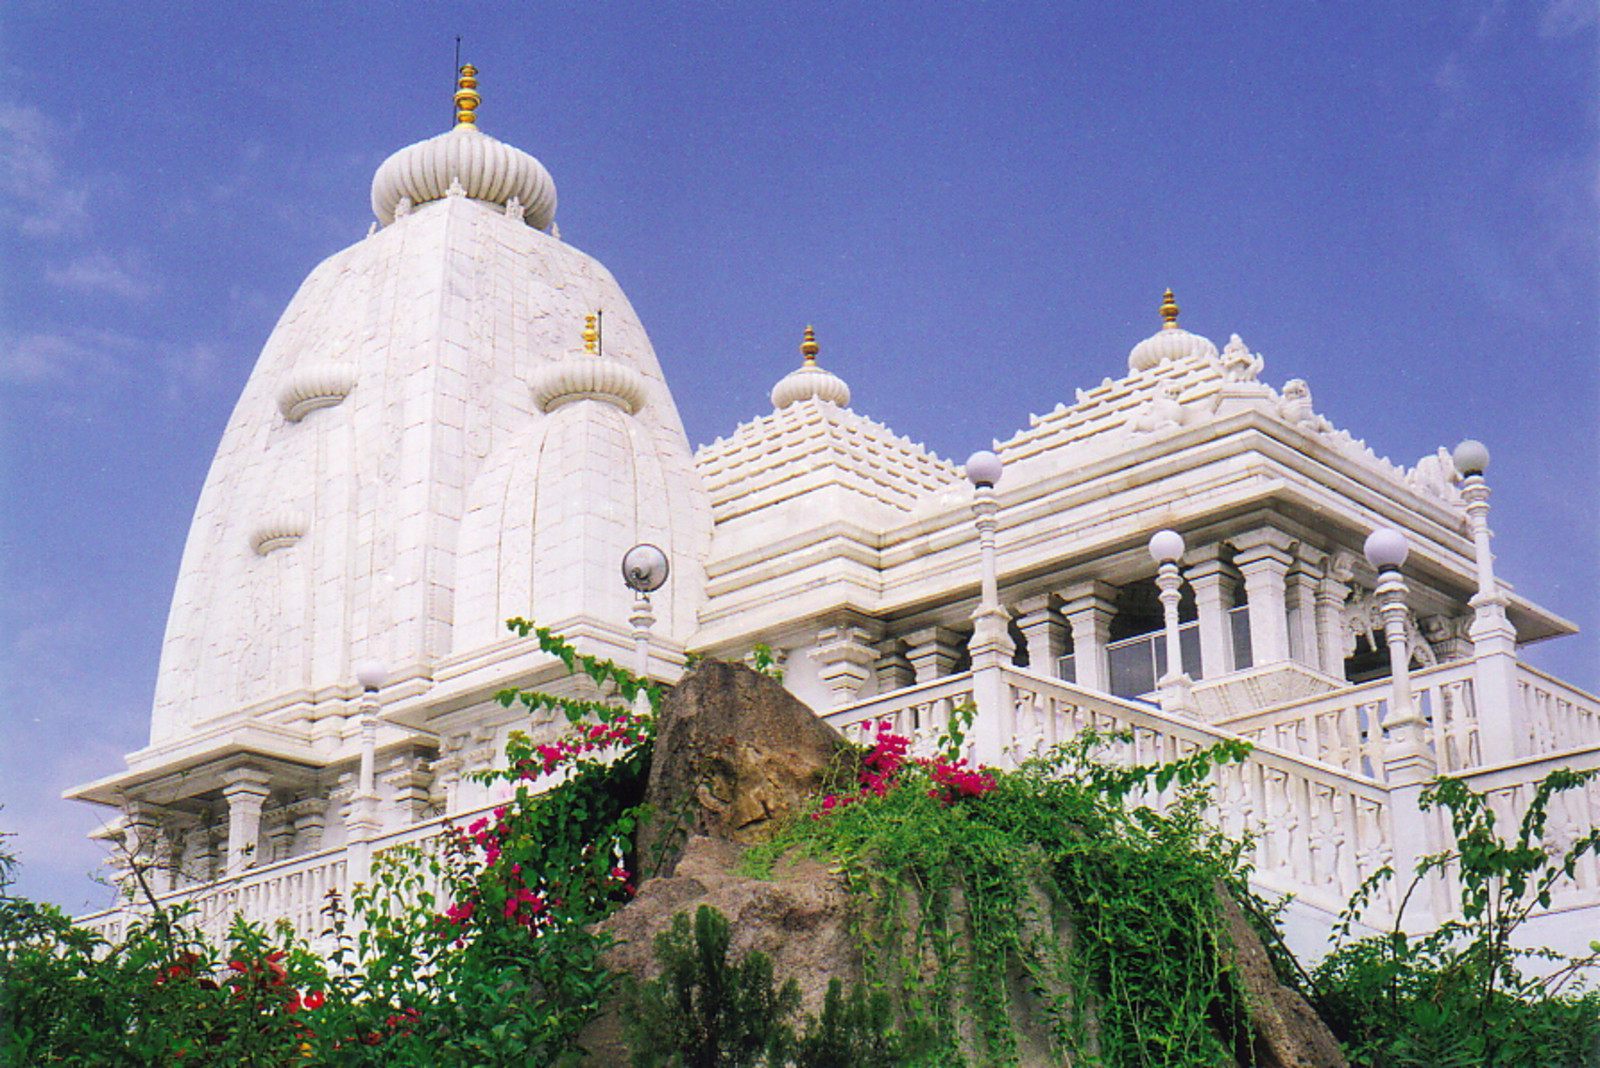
column 810, row 380
column 486, row 169
column 1171, row 342
column 321, row 385
column 278, row 531
column 587, row 375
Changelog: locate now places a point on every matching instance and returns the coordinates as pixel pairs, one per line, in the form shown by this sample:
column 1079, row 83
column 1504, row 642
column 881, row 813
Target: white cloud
column 37, row 197
column 125, row 276
column 189, row 371
column 77, row 356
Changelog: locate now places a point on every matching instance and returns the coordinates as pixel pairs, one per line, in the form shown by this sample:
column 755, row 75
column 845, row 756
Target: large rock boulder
column 735, row 754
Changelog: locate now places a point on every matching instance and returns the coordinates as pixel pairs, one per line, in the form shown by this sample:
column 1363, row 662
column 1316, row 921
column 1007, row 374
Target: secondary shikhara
column 460, row 419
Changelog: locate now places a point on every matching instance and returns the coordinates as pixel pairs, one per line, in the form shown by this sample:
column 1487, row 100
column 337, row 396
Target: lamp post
column 644, row 570
column 1408, row 760
column 991, row 646
column 1166, row 549
column 1386, row 549
column 1494, row 638
column 983, row 470
column 1472, row 460
column 363, row 822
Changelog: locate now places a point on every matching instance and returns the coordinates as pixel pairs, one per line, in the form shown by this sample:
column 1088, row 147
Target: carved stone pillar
column 844, row 657
column 1214, row 581
column 1332, row 592
column 246, row 790
column 311, row 819
column 281, row 835
column 148, row 850
column 894, row 668
column 411, row 786
column 1046, row 631
column 933, row 652
column 199, row 862
column 1301, row 597
column 1089, row 608
column 1262, row 557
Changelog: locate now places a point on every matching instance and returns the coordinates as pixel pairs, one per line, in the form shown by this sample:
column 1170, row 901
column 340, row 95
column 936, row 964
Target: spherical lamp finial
column 644, row 568
column 372, row 674
column 1166, row 546
column 1471, row 458
column 1386, row 548
column 983, row 468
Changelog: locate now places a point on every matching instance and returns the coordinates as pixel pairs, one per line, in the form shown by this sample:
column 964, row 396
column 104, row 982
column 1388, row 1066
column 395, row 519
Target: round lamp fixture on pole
column 1166, row 547
column 983, row 468
column 644, row 568
column 1387, row 548
column 1471, row 458
column 372, row 674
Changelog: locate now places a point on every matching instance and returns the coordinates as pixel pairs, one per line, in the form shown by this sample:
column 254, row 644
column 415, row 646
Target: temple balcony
column 1316, row 799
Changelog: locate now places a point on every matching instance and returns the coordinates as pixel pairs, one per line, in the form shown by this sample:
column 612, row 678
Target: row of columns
column 1286, row 585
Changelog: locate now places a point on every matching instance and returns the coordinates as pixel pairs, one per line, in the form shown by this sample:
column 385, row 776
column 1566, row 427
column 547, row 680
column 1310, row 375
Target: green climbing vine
column 966, row 879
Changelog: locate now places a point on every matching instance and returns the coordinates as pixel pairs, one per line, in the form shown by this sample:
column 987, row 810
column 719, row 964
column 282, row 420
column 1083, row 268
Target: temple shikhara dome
column 460, row 419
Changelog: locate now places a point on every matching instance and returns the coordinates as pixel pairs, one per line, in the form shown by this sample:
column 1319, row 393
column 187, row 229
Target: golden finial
column 1169, row 311
column 467, row 98
column 591, row 335
column 809, row 347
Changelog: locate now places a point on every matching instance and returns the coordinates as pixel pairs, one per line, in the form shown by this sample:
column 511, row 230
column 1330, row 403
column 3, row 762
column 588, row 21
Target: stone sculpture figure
column 1239, row 364
column 1159, row 412
column 1294, row 407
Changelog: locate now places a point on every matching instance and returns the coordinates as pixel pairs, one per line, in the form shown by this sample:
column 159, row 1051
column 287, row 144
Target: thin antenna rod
column 600, row 331
column 454, row 74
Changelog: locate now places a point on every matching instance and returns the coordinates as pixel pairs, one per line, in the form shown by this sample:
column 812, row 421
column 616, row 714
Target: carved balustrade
column 1342, row 728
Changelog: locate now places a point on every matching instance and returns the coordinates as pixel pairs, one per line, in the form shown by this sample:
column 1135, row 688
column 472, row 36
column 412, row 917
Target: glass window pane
column 1133, row 666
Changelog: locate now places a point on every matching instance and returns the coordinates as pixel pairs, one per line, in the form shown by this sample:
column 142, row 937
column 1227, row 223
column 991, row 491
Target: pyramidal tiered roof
column 812, row 433
column 1178, row 380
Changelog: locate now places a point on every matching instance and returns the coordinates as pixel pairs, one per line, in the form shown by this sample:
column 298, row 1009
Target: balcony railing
column 1310, row 796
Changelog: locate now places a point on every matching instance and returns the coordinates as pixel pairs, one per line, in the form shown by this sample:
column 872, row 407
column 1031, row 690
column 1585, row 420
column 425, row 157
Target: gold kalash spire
column 591, row 335
column 467, row 98
column 1169, row 311
column 809, row 347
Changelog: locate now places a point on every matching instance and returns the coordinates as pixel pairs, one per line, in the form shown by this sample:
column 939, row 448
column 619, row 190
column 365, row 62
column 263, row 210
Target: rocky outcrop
column 1287, row 1031
column 735, row 753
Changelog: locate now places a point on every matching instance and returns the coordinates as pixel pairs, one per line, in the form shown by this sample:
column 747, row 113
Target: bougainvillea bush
column 476, row 951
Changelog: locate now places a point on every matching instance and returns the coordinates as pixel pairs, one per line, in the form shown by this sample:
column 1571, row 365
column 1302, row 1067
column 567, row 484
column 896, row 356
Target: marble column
column 311, row 819
column 933, row 652
column 1089, row 608
column 1301, row 597
column 1214, row 581
column 282, row 836
column 844, row 655
column 894, row 669
column 1046, row 631
column 1262, row 557
column 149, row 853
column 246, row 790
column 1333, row 589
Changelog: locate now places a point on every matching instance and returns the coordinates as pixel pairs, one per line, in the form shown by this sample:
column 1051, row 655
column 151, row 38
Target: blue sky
column 977, row 204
